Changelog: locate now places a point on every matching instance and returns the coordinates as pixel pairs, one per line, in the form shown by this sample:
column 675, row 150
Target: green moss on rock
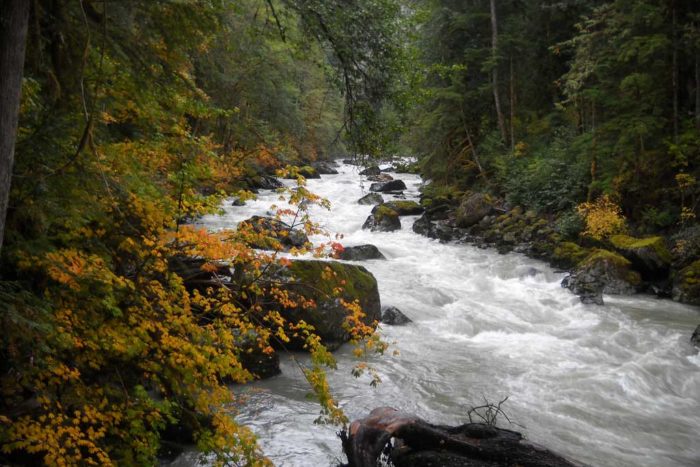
column 404, row 208
column 568, row 254
column 648, row 255
column 686, row 284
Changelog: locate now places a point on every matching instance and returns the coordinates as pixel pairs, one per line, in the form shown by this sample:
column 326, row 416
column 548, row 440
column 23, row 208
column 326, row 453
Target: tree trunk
column 14, row 21
column 417, row 442
column 494, row 71
column 512, row 106
column 674, row 66
column 697, row 91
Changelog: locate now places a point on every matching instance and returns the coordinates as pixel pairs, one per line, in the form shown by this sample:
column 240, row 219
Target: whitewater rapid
column 611, row 385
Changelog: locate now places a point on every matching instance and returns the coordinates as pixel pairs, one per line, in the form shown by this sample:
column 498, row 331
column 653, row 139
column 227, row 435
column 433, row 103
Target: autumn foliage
column 124, row 138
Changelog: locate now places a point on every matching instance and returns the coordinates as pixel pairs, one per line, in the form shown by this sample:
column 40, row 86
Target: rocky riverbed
column 612, row 384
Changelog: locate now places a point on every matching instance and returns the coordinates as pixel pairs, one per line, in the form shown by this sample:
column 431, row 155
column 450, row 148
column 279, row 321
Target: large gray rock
column 382, row 219
column 384, row 187
column 695, row 338
column 324, row 167
column 371, row 170
column 361, row 253
column 371, row 199
column 395, row 317
column 273, row 234
column 320, row 281
column 440, row 229
column 602, row 272
column 472, row 209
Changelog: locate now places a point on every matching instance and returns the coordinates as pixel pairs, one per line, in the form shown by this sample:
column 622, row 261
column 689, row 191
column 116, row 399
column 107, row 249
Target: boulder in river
column 272, row 234
column 360, row 253
column 419, row 443
column 385, row 187
column 382, row 219
column 395, row 317
column 441, row 229
column 238, row 202
column 648, row 255
column 472, row 209
column 319, row 281
column 371, row 199
column 695, row 338
column 405, row 208
column 264, row 182
column 371, row 170
column 325, row 167
column 380, row 178
column 602, row 272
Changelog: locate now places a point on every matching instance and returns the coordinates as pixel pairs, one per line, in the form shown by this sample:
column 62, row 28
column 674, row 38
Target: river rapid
column 613, row 385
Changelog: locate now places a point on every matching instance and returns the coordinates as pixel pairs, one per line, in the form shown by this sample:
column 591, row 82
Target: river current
column 613, row 385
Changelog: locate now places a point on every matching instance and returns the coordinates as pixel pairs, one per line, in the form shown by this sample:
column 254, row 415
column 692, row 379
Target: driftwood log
column 405, row 440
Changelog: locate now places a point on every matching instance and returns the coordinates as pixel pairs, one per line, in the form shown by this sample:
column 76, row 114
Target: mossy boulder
column 472, row 209
column 371, row 199
column 602, row 272
column 686, row 284
column 319, row 281
column 405, row 208
column 385, row 187
column 305, row 171
column 382, row 219
column 271, row 234
column 648, row 255
column 568, row 255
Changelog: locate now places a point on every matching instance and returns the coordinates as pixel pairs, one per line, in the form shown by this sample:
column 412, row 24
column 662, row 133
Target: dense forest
column 121, row 122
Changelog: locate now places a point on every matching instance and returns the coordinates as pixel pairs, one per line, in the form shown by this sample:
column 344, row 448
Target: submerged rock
column 371, row 199
column 382, row 219
column 273, row 234
column 238, row 202
column 319, row 281
column 602, row 272
column 385, row 187
column 395, row 317
column 361, row 253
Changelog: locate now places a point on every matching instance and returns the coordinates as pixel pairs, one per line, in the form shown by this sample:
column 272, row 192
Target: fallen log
column 405, row 440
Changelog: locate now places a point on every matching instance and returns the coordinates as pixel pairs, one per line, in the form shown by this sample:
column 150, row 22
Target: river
column 606, row 385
